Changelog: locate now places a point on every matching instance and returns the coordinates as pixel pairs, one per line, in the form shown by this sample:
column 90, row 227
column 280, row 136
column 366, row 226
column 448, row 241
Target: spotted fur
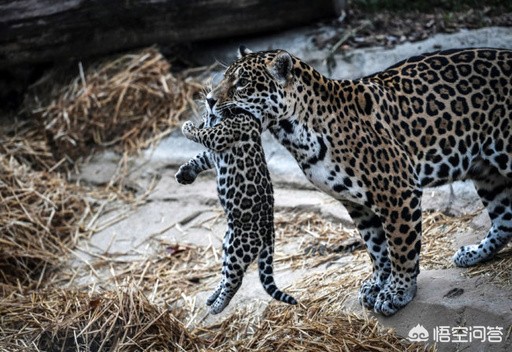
column 374, row 143
column 246, row 194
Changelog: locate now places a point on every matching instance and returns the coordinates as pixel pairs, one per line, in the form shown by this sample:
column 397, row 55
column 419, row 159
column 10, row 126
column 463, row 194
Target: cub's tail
column 265, row 266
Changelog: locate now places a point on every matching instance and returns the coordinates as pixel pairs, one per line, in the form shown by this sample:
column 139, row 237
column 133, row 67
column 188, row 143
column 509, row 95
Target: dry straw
column 24, row 141
column 41, row 218
column 175, row 272
column 173, row 278
column 312, row 329
column 129, row 102
column 125, row 320
column 319, row 323
column 118, row 320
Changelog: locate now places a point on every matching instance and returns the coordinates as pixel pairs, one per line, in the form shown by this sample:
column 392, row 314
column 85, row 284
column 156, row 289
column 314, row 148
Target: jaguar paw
column 368, row 293
column 391, row 299
column 185, row 175
column 467, row 256
column 187, row 129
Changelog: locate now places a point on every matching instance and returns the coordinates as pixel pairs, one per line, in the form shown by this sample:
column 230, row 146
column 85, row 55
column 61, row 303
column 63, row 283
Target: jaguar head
column 261, row 83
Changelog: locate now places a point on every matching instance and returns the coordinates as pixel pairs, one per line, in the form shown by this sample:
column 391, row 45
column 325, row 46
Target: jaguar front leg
column 370, row 228
column 402, row 227
column 217, row 138
column 188, row 172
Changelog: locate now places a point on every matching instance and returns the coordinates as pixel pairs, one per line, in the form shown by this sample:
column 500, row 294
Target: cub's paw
column 368, row 293
column 185, row 175
column 213, row 296
column 188, row 129
column 218, row 301
column 468, row 256
column 391, row 299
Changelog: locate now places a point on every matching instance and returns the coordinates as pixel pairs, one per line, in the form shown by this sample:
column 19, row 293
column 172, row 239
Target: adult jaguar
column 374, row 143
column 246, row 194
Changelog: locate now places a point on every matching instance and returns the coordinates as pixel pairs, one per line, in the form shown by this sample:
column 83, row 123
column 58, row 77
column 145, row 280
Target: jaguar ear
column 242, row 51
column 281, row 67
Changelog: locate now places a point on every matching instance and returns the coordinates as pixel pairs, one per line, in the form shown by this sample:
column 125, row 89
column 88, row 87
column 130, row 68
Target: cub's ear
column 242, row 51
column 281, row 67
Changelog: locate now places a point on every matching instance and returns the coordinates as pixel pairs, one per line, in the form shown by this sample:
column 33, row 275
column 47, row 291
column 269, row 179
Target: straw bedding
column 128, row 314
column 127, row 102
column 120, row 320
column 24, row 142
column 125, row 320
column 176, row 271
column 312, row 329
column 41, row 217
column 498, row 269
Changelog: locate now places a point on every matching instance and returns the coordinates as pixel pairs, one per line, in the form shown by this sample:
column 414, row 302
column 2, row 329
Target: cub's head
column 260, row 83
column 210, row 120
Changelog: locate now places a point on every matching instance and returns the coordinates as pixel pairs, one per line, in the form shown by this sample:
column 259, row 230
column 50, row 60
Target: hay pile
column 121, row 102
column 120, row 320
column 41, row 217
column 24, row 142
column 128, row 103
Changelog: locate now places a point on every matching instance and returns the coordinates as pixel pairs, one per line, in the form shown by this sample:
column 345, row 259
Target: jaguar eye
column 242, row 82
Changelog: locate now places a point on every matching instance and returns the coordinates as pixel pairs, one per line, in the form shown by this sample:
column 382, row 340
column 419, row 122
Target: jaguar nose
column 211, row 102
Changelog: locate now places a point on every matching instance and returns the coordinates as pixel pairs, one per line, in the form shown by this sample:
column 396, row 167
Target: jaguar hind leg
column 239, row 250
column 232, row 275
column 496, row 194
column 221, row 297
column 213, row 297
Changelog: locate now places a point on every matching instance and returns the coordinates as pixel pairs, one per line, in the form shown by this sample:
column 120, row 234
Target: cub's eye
column 242, row 82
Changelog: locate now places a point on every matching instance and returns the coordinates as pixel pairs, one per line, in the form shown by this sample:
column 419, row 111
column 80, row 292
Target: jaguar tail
column 266, row 271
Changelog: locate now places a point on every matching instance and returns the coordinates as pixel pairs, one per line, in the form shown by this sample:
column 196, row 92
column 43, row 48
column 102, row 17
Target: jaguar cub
column 374, row 143
column 246, row 194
